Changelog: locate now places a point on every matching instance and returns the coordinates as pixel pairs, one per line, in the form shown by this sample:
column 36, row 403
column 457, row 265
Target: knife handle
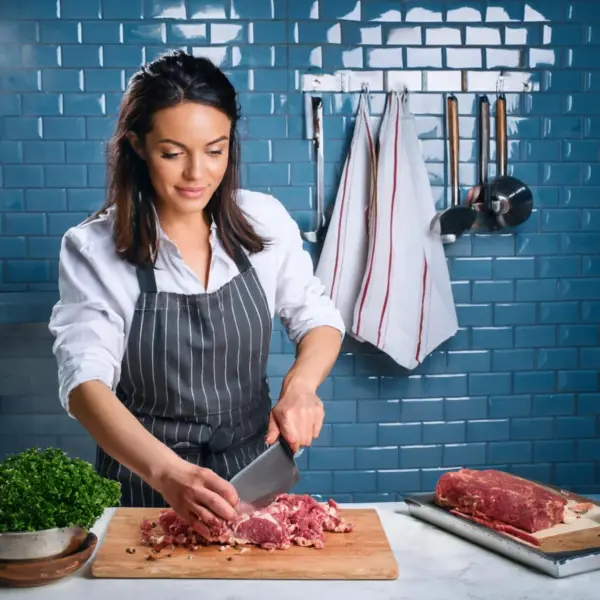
column 286, row 446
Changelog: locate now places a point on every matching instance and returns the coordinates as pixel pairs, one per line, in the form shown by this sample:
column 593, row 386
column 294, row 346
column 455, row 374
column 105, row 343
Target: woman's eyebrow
column 170, row 141
column 219, row 139
column 176, row 143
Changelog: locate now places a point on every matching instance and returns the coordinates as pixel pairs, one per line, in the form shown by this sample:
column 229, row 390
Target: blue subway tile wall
column 517, row 388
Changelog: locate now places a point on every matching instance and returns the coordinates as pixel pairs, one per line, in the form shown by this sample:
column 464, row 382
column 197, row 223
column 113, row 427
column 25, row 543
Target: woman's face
column 187, row 152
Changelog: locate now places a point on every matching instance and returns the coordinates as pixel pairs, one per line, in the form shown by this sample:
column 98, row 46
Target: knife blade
column 274, row 472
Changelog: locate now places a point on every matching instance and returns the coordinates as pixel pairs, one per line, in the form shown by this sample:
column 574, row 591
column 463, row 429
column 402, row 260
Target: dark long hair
column 171, row 78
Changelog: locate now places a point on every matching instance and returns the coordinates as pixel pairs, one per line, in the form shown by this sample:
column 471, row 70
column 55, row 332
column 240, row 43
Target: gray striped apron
column 194, row 375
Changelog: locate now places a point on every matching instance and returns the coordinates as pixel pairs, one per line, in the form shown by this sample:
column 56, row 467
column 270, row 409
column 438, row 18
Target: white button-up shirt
column 98, row 289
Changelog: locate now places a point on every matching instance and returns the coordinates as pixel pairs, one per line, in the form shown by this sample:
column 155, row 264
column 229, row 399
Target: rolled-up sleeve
column 301, row 300
column 88, row 329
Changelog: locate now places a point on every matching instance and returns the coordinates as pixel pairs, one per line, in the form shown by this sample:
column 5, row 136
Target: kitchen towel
column 405, row 305
column 343, row 258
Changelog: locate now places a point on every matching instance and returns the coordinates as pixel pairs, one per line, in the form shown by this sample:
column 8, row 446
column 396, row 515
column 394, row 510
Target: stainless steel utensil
column 510, row 200
column 314, row 236
column 477, row 194
column 452, row 222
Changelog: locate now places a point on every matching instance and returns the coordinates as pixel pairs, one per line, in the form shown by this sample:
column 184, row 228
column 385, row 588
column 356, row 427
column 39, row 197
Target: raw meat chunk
column 497, row 496
column 502, row 527
column 290, row 519
column 262, row 530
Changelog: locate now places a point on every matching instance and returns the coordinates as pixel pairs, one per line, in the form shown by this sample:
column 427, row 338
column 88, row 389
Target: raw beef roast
column 502, row 501
column 290, row 519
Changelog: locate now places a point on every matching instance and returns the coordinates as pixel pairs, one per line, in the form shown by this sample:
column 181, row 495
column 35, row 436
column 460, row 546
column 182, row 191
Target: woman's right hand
column 197, row 494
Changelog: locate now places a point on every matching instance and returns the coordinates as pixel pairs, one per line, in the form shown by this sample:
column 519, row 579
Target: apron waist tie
column 220, row 442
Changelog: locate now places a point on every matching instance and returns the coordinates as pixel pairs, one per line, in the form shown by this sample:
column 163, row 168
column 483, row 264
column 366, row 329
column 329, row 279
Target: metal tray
column 555, row 564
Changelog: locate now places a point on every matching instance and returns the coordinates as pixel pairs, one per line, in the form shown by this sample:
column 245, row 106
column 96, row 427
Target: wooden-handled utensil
column 510, row 200
column 452, row 222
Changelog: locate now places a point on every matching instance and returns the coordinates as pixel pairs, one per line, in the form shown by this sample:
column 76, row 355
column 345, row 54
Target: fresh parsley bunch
column 43, row 489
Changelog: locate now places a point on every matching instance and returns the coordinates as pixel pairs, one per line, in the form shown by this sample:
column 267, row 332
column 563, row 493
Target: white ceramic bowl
column 31, row 545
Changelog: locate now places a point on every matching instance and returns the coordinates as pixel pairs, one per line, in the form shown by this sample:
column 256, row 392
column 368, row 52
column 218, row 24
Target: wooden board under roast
column 364, row 554
column 582, row 534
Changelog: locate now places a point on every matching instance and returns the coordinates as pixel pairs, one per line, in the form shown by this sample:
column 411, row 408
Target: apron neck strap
column 242, row 262
column 146, row 279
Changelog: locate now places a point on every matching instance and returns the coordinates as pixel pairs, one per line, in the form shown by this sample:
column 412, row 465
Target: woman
column 167, row 297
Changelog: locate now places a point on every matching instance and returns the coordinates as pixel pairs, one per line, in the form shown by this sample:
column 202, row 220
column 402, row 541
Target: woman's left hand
column 297, row 416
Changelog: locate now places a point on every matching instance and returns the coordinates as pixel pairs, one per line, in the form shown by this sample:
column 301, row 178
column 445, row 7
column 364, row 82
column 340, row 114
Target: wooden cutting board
column 364, row 553
column 582, row 534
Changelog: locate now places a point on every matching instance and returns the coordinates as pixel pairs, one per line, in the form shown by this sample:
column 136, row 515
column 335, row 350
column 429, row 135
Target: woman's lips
column 190, row 192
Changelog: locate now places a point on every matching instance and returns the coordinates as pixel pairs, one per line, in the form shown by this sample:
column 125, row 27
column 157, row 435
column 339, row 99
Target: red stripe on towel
column 391, row 250
column 339, row 231
column 373, row 211
column 425, row 269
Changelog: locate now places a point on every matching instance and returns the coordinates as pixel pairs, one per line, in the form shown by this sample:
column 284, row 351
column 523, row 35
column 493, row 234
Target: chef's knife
column 274, row 472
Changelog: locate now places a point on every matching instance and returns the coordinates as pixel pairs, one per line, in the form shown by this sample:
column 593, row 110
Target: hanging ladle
column 452, row 222
column 314, row 236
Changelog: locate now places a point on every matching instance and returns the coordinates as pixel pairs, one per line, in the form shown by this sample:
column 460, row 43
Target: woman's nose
column 194, row 169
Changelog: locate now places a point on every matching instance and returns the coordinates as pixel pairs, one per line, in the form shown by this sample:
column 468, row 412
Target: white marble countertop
column 433, row 565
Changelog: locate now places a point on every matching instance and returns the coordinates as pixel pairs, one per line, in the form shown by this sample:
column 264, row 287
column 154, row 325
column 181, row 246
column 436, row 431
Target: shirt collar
column 218, row 251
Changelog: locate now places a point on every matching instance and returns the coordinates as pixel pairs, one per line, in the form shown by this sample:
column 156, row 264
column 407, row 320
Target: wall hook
column 404, row 95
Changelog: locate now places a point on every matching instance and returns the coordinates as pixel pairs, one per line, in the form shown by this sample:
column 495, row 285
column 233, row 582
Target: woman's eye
column 170, row 154
column 216, row 152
